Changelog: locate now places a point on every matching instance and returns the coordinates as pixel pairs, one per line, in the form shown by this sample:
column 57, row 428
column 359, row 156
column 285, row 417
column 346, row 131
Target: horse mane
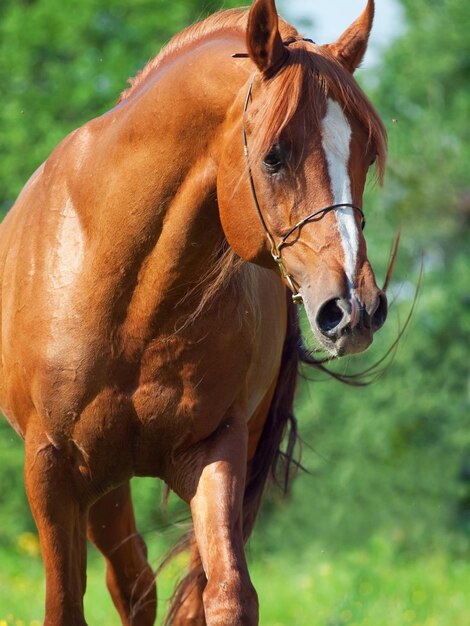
column 229, row 20
column 226, row 273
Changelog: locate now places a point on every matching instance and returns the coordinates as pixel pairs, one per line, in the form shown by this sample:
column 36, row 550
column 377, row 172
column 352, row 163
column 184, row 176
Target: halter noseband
column 315, row 216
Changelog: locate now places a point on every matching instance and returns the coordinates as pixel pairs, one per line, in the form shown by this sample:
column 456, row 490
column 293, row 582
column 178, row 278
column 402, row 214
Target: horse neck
column 160, row 216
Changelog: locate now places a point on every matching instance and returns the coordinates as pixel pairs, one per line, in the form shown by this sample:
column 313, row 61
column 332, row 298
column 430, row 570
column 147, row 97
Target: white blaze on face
column 336, row 138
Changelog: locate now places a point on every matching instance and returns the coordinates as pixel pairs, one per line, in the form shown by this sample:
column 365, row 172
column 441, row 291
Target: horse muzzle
column 347, row 325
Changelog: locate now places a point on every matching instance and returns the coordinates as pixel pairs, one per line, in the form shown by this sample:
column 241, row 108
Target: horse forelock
column 303, row 85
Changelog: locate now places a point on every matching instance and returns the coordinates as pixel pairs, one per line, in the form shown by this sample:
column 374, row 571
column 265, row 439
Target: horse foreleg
column 216, row 501
column 130, row 579
column 61, row 523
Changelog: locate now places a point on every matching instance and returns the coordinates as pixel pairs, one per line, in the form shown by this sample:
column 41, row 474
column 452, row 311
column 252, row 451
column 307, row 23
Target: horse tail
column 270, row 459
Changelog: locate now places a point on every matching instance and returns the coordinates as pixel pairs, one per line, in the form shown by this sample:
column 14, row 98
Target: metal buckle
column 296, row 296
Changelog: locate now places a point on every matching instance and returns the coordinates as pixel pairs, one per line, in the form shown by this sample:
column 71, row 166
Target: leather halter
column 313, row 217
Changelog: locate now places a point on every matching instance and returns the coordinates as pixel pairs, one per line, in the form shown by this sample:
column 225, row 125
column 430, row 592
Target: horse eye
column 273, row 161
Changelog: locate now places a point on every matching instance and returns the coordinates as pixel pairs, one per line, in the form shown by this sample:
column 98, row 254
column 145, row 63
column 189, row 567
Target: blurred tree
column 423, row 94
column 62, row 63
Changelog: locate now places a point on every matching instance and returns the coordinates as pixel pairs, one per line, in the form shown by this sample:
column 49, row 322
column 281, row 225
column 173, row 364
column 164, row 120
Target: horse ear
column 263, row 40
column 352, row 45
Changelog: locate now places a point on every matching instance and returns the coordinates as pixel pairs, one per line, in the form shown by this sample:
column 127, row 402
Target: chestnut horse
column 145, row 325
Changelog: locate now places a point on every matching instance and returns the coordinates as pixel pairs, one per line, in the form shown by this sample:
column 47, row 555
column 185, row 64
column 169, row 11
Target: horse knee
column 131, row 584
column 61, row 522
column 231, row 602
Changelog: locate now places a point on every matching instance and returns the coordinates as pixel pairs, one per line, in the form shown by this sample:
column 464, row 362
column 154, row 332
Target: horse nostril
column 380, row 314
column 329, row 316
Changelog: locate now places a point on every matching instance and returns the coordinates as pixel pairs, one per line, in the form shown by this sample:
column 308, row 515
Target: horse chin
column 353, row 343
column 347, row 344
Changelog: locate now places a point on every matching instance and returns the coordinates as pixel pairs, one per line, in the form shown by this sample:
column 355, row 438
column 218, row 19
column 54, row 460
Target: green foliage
column 368, row 586
column 63, row 63
column 13, row 504
column 424, row 98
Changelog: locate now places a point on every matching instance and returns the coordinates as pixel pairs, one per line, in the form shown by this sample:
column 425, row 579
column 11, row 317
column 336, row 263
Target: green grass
column 373, row 586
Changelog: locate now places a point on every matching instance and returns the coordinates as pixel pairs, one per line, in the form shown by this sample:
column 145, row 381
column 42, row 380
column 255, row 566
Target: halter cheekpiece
column 313, row 217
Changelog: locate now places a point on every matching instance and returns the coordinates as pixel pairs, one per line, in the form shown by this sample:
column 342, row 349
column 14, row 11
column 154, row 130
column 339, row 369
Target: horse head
column 295, row 197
